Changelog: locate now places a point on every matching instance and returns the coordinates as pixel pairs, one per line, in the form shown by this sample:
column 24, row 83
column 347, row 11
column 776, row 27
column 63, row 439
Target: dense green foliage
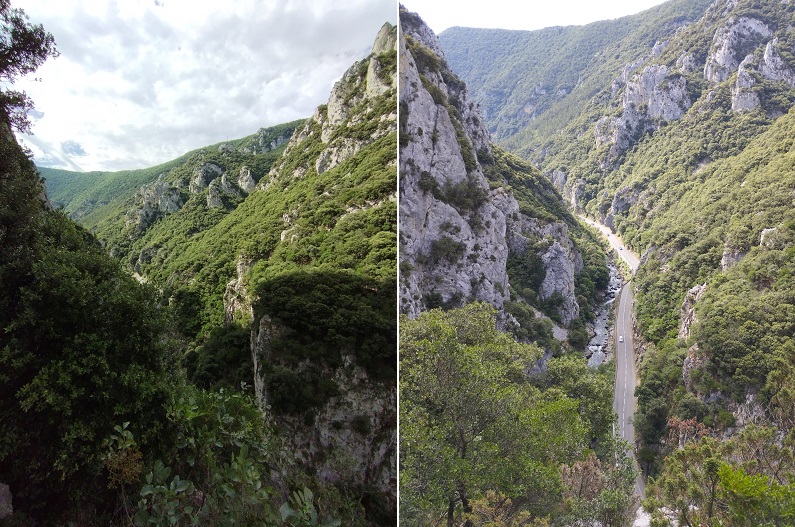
column 23, row 48
column 532, row 83
column 101, row 424
column 91, row 400
column 705, row 198
column 745, row 316
column 745, row 481
column 474, row 425
column 99, row 200
column 81, row 350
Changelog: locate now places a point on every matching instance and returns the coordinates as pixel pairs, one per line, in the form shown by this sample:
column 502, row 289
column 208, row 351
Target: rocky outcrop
column 457, row 232
column 651, row 97
column 448, row 254
column 731, row 44
column 559, row 280
column 237, row 304
column 245, row 181
column 152, row 202
column 774, row 67
column 730, row 257
column 203, row 176
column 753, row 70
column 623, row 199
column 352, row 438
column 352, row 105
column 693, row 361
column 561, row 260
column 743, row 97
column 688, row 310
column 264, row 141
column 663, row 92
column 558, row 179
column 767, row 237
column 750, row 411
column 220, row 188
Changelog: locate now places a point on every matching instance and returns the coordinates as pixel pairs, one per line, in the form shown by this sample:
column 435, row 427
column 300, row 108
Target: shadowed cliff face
column 460, row 221
column 323, row 336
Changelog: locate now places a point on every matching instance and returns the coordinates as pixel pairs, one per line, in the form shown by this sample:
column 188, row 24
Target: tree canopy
column 475, row 426
column 23, row 48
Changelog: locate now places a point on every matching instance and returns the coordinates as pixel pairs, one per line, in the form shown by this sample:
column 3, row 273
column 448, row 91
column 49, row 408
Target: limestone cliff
column 349, row 438
column 746, row 54
column 460, row 221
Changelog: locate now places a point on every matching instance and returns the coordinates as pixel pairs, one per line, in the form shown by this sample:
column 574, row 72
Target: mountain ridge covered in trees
column 686, row 152
column 123, row 402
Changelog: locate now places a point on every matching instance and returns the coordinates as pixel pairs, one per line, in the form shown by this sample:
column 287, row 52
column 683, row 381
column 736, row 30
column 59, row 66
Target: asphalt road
column 624, row 401
column 628, row 256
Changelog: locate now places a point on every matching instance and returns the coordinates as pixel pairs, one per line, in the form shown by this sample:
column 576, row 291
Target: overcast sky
column 140, row 82
column 521, row 14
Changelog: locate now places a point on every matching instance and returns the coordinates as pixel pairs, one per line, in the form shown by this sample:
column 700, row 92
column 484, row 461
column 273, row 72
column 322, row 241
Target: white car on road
column 621, row 338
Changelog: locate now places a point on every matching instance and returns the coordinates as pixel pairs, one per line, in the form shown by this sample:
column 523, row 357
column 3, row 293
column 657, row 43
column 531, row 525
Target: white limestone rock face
column 688, row 310
column 751, row 71
column 661, row 90
column 731, row 44
column 354, row 101
column 379, row 78
column 731, row 256
column 245, row 181
column 744, row 99
column 452, row 254
column 655, row 95
column 203, row 176
column 774, row 67
column 561, row 259
column 560, row 279
column 686, row 63
column 218, row 189
column 152, row 202
column 447, row 254
column 558, row 179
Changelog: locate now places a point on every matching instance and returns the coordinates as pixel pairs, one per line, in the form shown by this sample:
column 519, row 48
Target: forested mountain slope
column 478, row 223
column 278, row 274
column 501, row 420
column 97, row 199
column 534, row 82
column 687, row 153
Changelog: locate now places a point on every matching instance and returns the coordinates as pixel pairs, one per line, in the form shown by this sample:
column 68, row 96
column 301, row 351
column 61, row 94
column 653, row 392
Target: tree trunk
column 467, row 508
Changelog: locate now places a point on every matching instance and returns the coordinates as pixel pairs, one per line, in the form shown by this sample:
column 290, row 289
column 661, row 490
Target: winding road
column 624, row 402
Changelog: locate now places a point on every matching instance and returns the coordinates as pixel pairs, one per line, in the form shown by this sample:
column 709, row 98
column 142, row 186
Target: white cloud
column 527, row 15
column 140, row 82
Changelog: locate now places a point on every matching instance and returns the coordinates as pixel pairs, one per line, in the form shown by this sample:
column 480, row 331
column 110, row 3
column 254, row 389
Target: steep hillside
column 500, row 414
column 478, row 223
column 687, row 153
column 278, row 258
column 534, row 82
column 122, row 206
column 59, row 398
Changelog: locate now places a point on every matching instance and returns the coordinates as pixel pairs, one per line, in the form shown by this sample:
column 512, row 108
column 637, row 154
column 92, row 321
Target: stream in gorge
column 596, row 352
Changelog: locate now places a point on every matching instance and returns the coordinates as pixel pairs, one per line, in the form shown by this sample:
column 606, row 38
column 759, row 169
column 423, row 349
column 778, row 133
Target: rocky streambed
column 600, row 329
